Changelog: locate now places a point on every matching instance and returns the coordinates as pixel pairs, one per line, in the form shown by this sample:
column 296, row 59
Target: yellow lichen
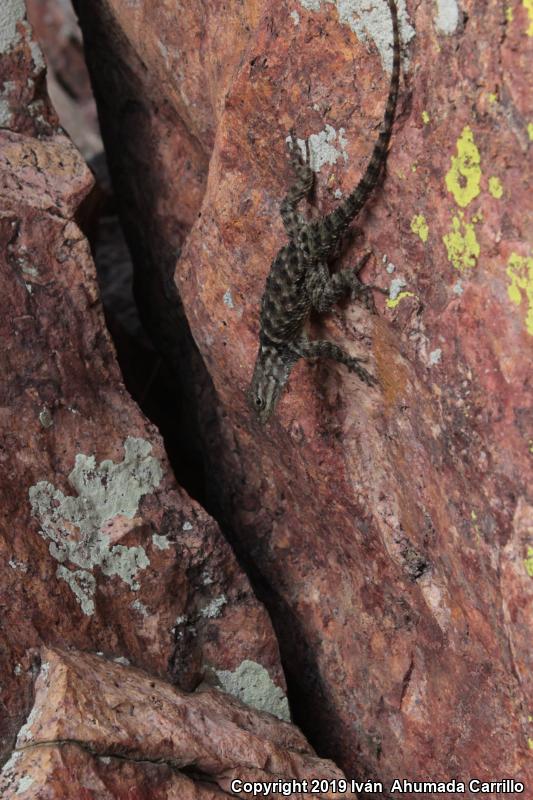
column 509, row 14
column 425, row 117
column 528, row 5
column 420, row 226
column 495, row 187
column 520, row 272
column 393, row 303
column 528, row 561
column 530, row 131
column 464, row 177
column 530, row 744
column 462, row 244
column 492, row 97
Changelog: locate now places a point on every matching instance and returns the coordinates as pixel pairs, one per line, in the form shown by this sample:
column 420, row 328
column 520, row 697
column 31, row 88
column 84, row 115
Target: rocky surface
column 56, row 29
column 387, row 529
column 101, row 730
column 100, row 549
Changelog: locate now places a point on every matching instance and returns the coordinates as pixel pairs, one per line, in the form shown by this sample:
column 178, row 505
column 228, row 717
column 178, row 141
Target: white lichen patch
column 140, row 608
column 228, row 299
column 10, row 765
column 79, row 527
column 447, row 18
column 252, row 684
column 24, row 784
column 435, row 356
column 295, row 17
column 370, row 19
column 45, row 417
column 11, row 13
column 396, row 286
column 25, row 734
column 20, row 565
column 325, row 147
column 82, row 584
column 187, row 526
column 458, row 288
column 213, row 609
column 5, row 113
column 311, row 5
column 161, row 542
column 37, row 55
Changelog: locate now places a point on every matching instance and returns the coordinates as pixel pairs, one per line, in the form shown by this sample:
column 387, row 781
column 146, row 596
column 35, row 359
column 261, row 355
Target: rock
column 56, row 29
column 98, row 729
column 378, row 525
column 100, row 549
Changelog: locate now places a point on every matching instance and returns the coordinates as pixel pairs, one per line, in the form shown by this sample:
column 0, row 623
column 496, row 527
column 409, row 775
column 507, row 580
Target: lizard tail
column 332, row 227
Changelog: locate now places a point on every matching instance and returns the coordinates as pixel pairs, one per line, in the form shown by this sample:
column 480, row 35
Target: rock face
column 100, row 549
column 102, row 730
column 387, row 529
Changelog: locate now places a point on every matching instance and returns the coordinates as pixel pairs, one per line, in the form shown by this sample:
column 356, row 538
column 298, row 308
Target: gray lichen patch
column 370, row 19
column 83, row 585
column 325, row 147
column 78, row 527
column 11, row 13
column 213, row 609
column 161, row 542
column 252, row 684
column 447, row 18
column 396, row 286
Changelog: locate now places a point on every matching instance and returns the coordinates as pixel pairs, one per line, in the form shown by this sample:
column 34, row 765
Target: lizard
column 299, row 279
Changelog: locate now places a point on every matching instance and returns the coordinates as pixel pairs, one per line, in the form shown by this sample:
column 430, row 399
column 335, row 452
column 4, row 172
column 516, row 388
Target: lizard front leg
column 321, row 348
column 292, row 220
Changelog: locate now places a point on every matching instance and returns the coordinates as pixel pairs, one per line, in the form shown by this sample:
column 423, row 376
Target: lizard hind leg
column 322, row 348
column 325, row 290
column 292, row 220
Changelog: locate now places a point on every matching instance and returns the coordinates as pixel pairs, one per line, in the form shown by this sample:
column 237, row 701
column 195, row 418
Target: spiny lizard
column 299, row 278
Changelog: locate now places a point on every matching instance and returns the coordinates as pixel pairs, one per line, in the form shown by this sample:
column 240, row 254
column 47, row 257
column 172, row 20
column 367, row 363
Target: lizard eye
column 259, row 402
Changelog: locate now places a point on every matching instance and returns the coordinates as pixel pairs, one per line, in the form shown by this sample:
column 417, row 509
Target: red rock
column 381, row 523
column 100, row 549
column 56, row 29
column 102, row 730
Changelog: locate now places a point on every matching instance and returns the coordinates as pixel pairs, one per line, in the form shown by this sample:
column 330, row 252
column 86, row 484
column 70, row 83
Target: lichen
column 528, row 5
column 393, row 302
column 462, row 244
column 420, row 226
column 495, row 187
column 425, row 117
column 528, row 562
column 78, row 527
column 370, row 20
column 447, row 16
column 213, row 609
column 464, row 176
column 520, row 273
column 12, row 12
column 325, row 147
column 252, row 684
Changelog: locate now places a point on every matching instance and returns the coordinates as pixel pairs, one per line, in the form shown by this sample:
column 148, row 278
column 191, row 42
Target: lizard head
column 271, row 373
